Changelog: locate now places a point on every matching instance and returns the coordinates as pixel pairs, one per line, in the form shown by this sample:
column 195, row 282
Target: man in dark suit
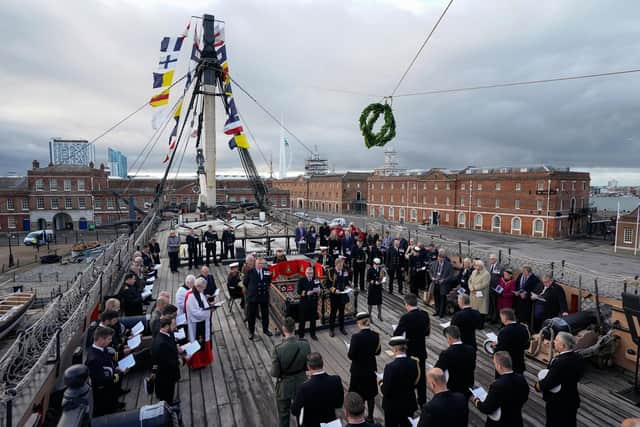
column 193, row 242
column 495, row 270
column 399, row 378
column 105, row 377
column 459, row 361
column 130, row 296
column 514, row 339
column 320, row 395
column 228, row 243
column 257, row 282
column 526, row 284
column 211, row 240
column 564, row 370
column 364, row 347
column 446, row 408
column 359, row 264
column 394, row 264
column 442, row 278
column 166, row 360
column 309, row 289
column 354, row 411
column 416, row 326
column 551, row 302
column 468, row 320
column 211, row 288
column 508, row 393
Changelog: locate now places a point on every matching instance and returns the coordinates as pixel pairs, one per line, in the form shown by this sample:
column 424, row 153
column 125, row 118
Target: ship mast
column 210, row 64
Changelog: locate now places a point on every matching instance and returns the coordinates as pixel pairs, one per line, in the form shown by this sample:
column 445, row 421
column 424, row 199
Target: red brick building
column 333, row 193
column 73, row 197
column 540, row 201
column 627, row 237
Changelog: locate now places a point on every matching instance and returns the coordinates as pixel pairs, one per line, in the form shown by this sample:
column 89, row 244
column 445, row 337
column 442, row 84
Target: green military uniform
column 288, row 364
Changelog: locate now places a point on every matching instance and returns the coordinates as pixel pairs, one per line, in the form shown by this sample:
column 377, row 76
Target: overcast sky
column 74, row 70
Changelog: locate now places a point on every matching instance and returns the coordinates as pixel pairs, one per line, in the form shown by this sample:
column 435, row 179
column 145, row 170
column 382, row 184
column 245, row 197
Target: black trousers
column 337, row 307
column 193, row 257
column 421, row 387
column 558, row 416
column 417, row 282
column 211, row 251
column 165, row 389
column 174, row 262
column 308, row 311
column 395, row 272
column 358, row 274
column 156, row 258
column 229, row 251
column 395, row 418
column 252, row 313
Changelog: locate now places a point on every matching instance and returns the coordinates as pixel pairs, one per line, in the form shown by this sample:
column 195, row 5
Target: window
column 498, row 186
column 424, row 186
column 516, row 225
column 627, row 235
column 462, row 201
column 391, row 212
column 392, row 198
column 446, row 217
column 97, row 203
column 414, row 185
column 40, row 202
column 497, row 203
column 68, row 203
column 496, row 223
column 414, row 214
column 424, row 200
column 573, row 186
column 110, row 203
column 479, row 187
column 461, row 219
column 517, row 204
column 518, row 186
column 479, row 221
column 539, row 205
column 53, row 185
column 381, row 211
column 81, row 203
column 540, row 186
column 81, row 185
column 67, row 185
column 561, row 205
column 447, row 201
column 435, row 186
column 10, row 205
column 435, row 200
column 54, row 203
column 39, row 185
column 402, row 186
column 98, row 220
column 463, row 186
column 402, row 199
column 358, row 185
column 25, row 204
column 478, row 203
column 561, row 185
column 372, row 211
column 11, row 222
column 448, row 186
column 392, row 185
column 538, row 226
column 382, row 186
column 584, row 185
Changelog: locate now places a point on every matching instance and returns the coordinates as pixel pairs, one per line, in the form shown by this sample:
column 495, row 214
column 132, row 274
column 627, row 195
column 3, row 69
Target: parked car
column 39, row 238
column 301, row 214
column 319, row 220
column 338, row 221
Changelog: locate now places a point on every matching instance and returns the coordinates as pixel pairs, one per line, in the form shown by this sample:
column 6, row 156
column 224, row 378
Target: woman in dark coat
column 375, row 276
column 311, row 238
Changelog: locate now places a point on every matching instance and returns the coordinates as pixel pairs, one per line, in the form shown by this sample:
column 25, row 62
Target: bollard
column 500, row 256
column 57, row 276
column 40, row 277
column 552, row 267
column 459, row 248
column 562, row 272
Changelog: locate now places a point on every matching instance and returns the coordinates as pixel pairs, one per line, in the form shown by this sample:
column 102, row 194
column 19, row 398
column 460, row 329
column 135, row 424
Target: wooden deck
column 237, row 390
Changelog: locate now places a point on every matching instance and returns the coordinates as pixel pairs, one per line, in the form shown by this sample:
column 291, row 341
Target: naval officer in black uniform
column 397, row 383
column 257, row 282
column 364, row 347
column 359, row 264
column 338, row 282
column 459, row 361
column 416, row 326
column 308, row 288
column 105, row 377
column 513, row 338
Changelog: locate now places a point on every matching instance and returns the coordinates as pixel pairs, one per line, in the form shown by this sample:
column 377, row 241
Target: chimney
column 35, row 164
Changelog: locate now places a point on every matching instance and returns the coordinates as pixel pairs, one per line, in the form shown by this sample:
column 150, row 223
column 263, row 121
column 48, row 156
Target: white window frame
column 39, row 202
column 535, row 232
column 81, row 185
column 627, row 235
column 53, row 185
column 11, row 205
column 53, row 202
column 497, row 203
column 68, row 203
column 39, row 184
column 11, row 222
column 516, row 230
column 475, row 223
column 518, row 186
column 25, row 204
column 67, row 185
column 539, row 205
column 82, row 203
column 516, row 204
column 498, row 186
column 462, row 220
column 495, row 228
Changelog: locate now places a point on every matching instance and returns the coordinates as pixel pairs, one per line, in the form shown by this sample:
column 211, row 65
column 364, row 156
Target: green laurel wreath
column 368, row 118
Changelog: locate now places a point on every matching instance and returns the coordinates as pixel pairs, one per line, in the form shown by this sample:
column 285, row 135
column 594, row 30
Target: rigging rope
column 426, row 40
column 254, row 139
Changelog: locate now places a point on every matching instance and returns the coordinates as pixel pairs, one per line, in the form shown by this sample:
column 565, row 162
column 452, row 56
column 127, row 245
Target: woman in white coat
column 479, row 287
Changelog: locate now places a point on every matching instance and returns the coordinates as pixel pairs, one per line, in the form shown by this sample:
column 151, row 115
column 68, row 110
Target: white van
column 39, row 238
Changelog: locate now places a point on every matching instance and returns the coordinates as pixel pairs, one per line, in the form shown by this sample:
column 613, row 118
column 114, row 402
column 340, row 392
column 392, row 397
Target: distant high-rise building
column 390, row 167
column 117, row 163
column 315, row 165
column 612, row 184
column 71, row 152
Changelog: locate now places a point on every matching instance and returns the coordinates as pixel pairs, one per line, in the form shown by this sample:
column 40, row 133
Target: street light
column 10, row 236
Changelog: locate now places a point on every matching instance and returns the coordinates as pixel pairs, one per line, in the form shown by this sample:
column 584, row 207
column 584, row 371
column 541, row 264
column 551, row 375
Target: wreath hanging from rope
column 369, row 117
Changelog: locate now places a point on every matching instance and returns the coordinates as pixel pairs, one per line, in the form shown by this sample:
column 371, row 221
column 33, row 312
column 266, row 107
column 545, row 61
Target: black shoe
column 124, row 391
column 251, row 337
column 331, row 334
column 343, row 331
column 268, row 333
column 314, row 337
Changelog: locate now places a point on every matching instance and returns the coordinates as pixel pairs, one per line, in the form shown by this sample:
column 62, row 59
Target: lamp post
column 11, row 263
